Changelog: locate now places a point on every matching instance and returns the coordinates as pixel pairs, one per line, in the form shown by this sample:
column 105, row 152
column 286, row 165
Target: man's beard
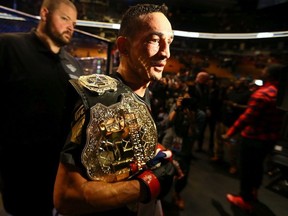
column 57, row 38
column 153, row 77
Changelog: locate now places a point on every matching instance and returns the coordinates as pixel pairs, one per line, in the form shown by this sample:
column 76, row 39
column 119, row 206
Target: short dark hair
column 130, row 20
column 54, row 4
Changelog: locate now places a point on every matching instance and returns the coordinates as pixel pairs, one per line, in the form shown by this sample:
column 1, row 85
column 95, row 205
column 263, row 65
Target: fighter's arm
column 73, row 194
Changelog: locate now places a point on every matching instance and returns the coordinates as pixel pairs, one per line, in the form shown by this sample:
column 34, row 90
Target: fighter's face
column 150, row 48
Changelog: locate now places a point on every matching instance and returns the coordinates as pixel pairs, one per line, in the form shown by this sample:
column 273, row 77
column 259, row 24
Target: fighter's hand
column 156, row 182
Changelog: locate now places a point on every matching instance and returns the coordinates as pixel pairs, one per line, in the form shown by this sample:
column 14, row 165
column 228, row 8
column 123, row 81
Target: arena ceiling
column 203, row 15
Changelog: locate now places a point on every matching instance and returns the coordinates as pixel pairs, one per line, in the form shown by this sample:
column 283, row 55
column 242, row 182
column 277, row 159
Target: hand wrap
column 157, row 179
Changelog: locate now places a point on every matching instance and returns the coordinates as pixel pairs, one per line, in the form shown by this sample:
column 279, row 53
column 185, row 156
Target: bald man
column 200, row 91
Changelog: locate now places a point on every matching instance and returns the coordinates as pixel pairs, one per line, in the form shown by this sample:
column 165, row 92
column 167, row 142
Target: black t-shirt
column 33, row 92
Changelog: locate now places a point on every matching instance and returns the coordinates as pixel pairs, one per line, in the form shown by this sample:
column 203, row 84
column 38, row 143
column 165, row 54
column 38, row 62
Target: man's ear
column 44, row 13
column 122, row 45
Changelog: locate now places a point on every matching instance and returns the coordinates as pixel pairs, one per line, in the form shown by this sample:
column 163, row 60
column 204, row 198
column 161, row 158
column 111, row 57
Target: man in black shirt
column 35, row 70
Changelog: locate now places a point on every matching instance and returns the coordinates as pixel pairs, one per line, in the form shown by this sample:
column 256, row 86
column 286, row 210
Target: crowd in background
column 222, row 103
column 215, row 105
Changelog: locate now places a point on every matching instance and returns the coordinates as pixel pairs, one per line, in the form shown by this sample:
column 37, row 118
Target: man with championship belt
column 111, row 163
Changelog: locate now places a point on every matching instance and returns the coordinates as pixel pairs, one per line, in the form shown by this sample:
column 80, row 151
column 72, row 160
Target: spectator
column 260, row 126
column 214, row 104
column 200, row 91
column 234, row 104
column 180, row 137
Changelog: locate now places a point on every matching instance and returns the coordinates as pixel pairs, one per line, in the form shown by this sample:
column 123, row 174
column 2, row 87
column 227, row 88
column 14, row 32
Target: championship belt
column 121, row 137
